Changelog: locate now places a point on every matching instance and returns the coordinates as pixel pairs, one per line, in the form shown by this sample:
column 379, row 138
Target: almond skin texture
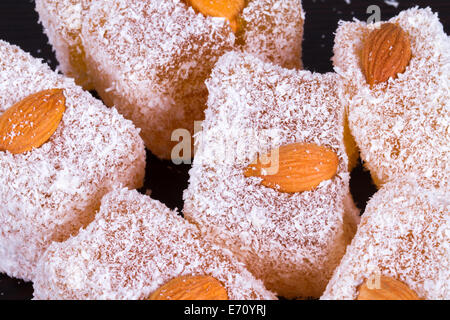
column 30, row 123
column 389, row 289
column 191, row 288
column 228, row 9
column 301, row 167
column 386, row 53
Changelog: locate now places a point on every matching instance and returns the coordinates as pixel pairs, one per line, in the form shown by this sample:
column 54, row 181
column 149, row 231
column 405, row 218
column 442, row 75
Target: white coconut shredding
column 403, row 125
column 273, row 31
column 150, row 58
column 292, row 242
column 403, row 234
column 134, row 246
column 48, row 193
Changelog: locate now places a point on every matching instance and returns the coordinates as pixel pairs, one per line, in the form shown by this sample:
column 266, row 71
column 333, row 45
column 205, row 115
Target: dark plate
column 19, row 25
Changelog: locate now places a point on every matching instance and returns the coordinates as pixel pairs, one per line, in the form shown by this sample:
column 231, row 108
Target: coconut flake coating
column 292, row 242
column 403, row 125
column 47, row 194
column 62, row 21
column 150, row 58
column 134, row 246
column 273, row 31
column 404, row 234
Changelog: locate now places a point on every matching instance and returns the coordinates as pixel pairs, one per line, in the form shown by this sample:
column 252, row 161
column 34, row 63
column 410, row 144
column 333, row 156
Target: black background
column 19, row 26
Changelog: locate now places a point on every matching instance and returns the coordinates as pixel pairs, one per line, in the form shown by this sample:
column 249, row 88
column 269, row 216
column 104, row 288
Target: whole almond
column 32, row 121
column 386, row 53
column 191, row 288
column 228, row 9
column 386, row 289
column 300, row 167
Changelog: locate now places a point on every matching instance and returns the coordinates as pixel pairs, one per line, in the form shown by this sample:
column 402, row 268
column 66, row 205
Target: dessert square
column 50, row 191
column 150, row 58
column 402, row 244
column 397, row 77
column 291, row 240
column 137, row 248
